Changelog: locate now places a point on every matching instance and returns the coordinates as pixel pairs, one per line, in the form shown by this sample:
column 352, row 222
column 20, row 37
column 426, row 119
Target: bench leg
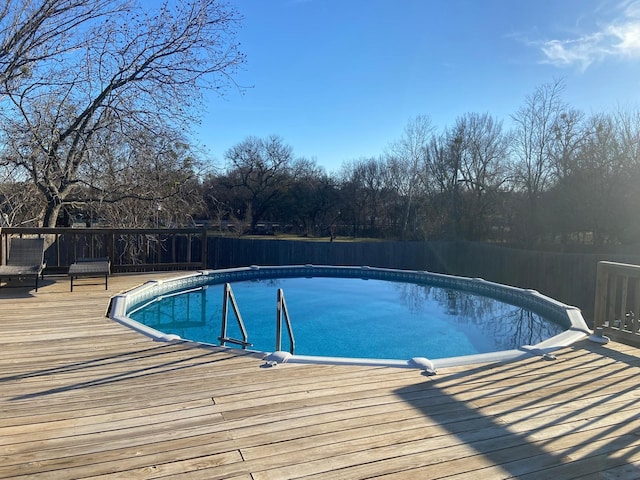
column 106, row 281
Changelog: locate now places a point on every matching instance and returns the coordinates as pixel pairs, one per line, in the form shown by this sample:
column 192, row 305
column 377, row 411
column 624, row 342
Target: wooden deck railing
column 617, row 302
column 127, row 249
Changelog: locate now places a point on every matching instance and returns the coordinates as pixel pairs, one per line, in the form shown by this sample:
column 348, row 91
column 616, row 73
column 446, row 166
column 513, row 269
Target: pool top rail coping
column 567, row 316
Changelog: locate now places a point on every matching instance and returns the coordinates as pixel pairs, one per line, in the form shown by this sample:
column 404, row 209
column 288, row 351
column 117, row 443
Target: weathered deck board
column 84, row 397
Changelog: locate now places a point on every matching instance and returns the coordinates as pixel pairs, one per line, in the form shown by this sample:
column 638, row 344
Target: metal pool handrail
column 283, row 310
column 227, row 297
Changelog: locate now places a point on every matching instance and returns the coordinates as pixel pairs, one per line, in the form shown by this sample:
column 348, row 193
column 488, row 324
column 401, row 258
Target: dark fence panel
column 569, row 278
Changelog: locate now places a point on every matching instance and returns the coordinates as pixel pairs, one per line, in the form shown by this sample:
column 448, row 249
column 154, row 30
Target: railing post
column 204, row 246
column 636, row 301
column 158, row 248
column 57, row 243
column 623, row 299
column 189, row 240
column 602, row 287
column 111, row 247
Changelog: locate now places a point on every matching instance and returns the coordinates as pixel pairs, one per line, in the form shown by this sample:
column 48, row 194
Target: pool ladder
column 282, row 314
column 229, row 297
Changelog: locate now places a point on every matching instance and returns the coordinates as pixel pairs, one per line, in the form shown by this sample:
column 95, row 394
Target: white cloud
column 619, row 37
column 631, row 8
column 582, row 51
column 628, row 36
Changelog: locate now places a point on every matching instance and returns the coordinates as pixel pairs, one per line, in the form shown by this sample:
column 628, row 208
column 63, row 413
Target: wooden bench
column 90, row 267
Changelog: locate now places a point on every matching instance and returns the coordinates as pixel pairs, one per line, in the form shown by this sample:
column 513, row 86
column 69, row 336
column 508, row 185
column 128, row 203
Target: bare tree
column 602, row 181
column 440, row 179
column 534, row 137
column 362, row 203
column 259, row 173
column 16, row 202
column 407, row 158
column 570, row 132
column 562, row 204
column 132, row 70
column 144, row 181
column 483, row 158
column 311, row 202
column 34, row 31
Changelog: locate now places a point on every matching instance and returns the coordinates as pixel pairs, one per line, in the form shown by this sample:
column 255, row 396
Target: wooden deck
column 83, row 397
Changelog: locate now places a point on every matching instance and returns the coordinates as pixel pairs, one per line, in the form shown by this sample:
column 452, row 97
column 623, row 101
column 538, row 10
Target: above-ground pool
column 353, row 315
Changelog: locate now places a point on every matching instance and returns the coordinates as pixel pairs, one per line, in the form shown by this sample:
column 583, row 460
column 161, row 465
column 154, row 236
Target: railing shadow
column 538, row 419
column 199, row 356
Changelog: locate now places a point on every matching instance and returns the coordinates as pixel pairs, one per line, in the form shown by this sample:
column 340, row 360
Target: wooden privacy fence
column 567, row 277
column 617, row 301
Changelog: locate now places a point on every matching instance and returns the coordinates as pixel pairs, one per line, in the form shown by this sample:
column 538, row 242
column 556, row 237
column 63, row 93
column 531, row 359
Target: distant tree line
column 556, row 175
column 96, row 97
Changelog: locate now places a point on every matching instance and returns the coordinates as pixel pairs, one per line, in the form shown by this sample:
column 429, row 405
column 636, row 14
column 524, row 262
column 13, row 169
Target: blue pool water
column 352, row 317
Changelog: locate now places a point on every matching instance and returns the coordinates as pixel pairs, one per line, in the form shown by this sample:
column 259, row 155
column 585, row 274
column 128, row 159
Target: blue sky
column 339, row 80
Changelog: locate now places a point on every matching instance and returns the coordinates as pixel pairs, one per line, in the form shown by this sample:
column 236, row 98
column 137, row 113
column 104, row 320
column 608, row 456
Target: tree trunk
column 51, row 213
